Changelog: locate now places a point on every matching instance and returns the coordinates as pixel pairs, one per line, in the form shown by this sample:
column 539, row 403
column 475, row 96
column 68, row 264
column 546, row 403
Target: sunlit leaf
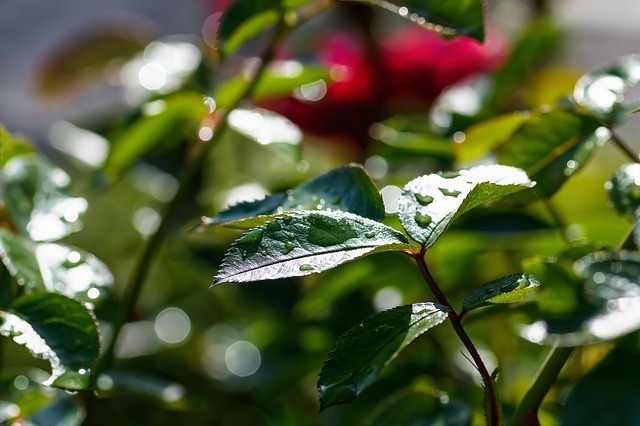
column 359, row 355
column 58, row 329
column 487, row 135
column 608, row 394
column 18, row 256
column 602, row 92
column 179, row 117
column 86, row 57
column 12, row 145
column 280, row 79
column 447, row 17
column 304, row 243
column 422, row 407
column 611, row 308
column 550, row 147
column 347, row 189
column 245, row 19
column 264, row 127
column 509, row 289
column 430, row 203
column 37, row 201
column 624, row 190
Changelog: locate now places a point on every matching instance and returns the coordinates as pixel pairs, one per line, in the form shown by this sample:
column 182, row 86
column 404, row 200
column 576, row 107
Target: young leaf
column 602, row 92
column 347, row 189
column 59, row 330
column 509, row 289
column 550, row 147
column 359, row 355
column 305, row 243
column 447, row 17
column 12, row 145
column 624, row 190
column 610, row 281
column 36, row 199
column 182, row 112
column 430, row 203
column 277, row 80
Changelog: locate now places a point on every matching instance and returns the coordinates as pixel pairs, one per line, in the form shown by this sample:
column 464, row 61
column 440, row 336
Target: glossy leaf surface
column 447, row 17
column 37, row 200
column 347, row 189
column 509, row 289
column 58, row 329
column 603, row 92
column 179, row 117
column 624, row 190
column 304, row 243
column 551, row 147
column 430, row 203
column 18, row 256
column 611, row 308
column 359, row 355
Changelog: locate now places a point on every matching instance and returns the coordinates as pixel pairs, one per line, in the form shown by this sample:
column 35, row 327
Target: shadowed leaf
column 509, row 289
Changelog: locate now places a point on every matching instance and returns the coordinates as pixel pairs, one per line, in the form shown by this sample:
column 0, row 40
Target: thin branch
column 633, row 155
column 544, row 380
column 494, row 401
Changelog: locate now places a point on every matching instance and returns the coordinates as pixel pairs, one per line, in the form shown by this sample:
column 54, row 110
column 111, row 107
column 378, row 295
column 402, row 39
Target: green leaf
column 305, row 243
column 485, row 136
column 509, row 289
column 551, row 147
column 430, row 203
column 608, row 394
column 58, row 329
column 447, row 17
column 624, row 190
column 611, row 308
column 37, row 201
column 245, row 19
column 12, row 145
column 359, row 355
column 278, row 80
column 264, row 127
column 55, row 268
column 180, row 117
column 422, row 407
column 347, row 189
column 602, row 92
column 394, row 143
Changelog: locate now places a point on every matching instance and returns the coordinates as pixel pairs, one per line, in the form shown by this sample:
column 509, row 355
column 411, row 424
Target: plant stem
column 633, row 155
column 545, row 378
column 190, row 170
column 556, row 218
column 495, row 414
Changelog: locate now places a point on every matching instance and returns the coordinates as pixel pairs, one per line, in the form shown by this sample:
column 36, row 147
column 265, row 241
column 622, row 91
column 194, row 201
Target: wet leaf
column 305, row 243
column 509, row 289
column 58, row 329
column 551, row 147
column 430, row 203
column 602, row 92
column 608, row 394
column 180, row 117
column 280, row 79
column 361, row 353
column 624, row 190
column 447, row 17
column 611, row 307
column 18, row 256
column 12, row 145
column 347, row 189
column 37, row 200
column 245, row 19
column 422, row 407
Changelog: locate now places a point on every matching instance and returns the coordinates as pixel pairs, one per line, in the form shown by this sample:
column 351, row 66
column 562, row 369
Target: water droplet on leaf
column 306, row 267
column 450, row 192
column 370, row 234
column 252, row 237
column 287, row 219
column 424, row 199
column 422, row 219
column 287, row 248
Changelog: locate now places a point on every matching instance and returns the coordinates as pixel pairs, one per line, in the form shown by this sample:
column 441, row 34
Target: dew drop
column 450, row 192
column 450, row 174
column 291, row 236
column 424, row 199
column 287, row 248
column 287, row 219
column 252, row 237
column 370, row 234
column 306, row 267
column 274, row 226
column 422, row 219
column 244, row 255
